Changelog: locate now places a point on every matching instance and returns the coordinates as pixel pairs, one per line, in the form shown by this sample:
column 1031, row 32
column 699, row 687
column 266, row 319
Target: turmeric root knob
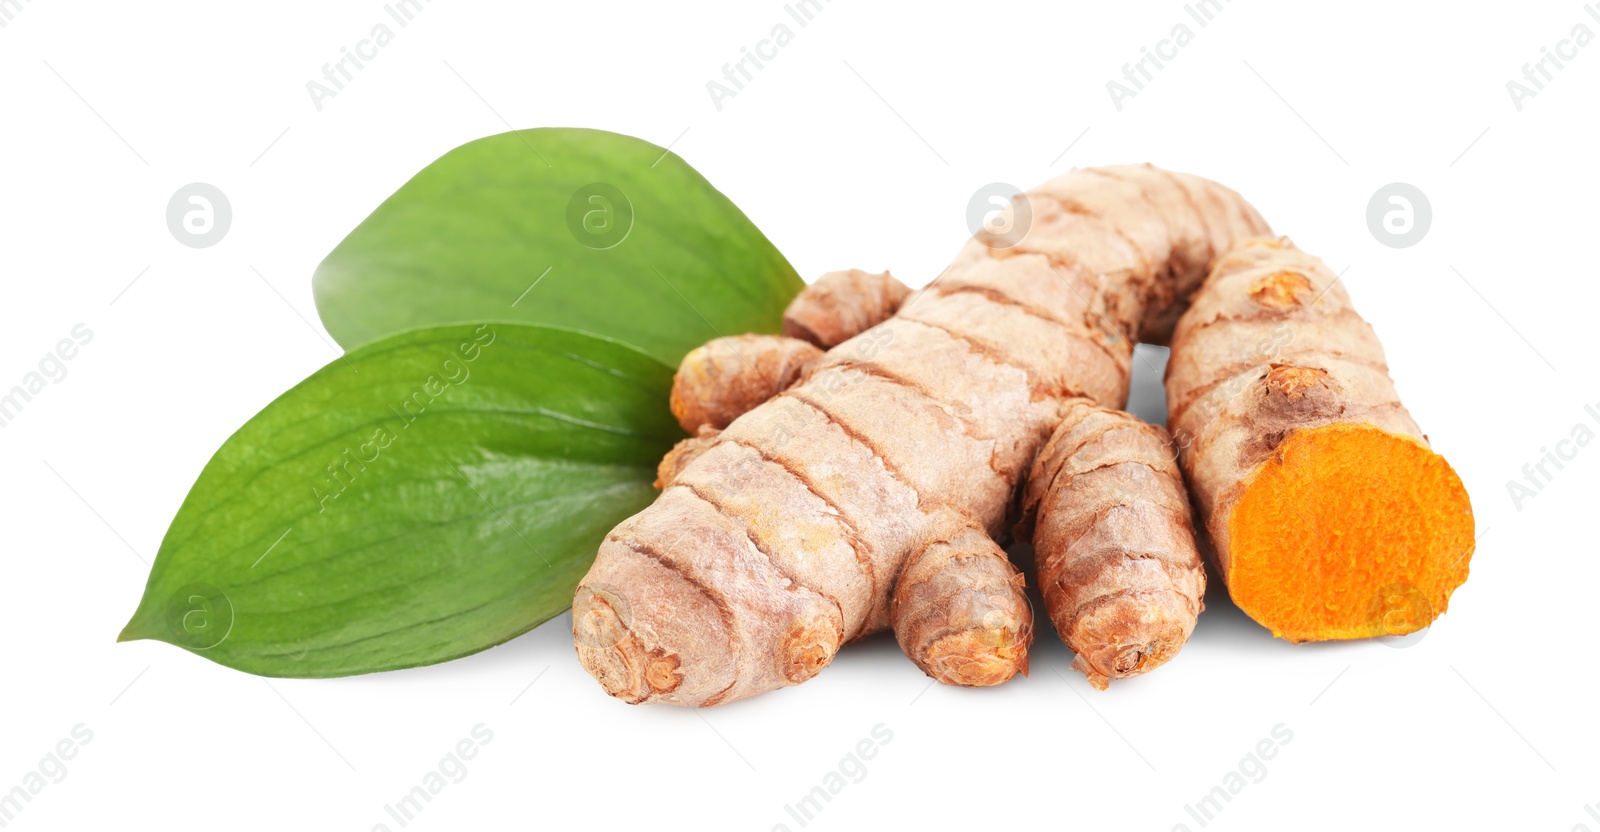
column 623, row 666
column 842, row 305
column 1129, row 635
column 1121, row 576
column 1293, row 382
column 722, row 379
column 959, row 611
column 684, row 453
column 808, row 647
column 979, row 658
column 1280, row 290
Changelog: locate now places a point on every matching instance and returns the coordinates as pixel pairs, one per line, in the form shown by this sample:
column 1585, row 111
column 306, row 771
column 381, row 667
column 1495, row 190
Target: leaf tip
column 134, row 630
column 145, row 623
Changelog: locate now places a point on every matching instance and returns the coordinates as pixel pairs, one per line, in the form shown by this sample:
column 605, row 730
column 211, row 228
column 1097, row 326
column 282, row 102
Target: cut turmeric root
column 866, row 495
column 784, row 537
column 1330, row 516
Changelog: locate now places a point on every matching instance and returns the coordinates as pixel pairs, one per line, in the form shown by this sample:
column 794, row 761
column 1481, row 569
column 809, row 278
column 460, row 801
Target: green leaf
column 425, row 497
column 577, row 228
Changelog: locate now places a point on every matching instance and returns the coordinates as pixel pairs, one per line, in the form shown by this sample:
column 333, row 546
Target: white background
column 858, row 146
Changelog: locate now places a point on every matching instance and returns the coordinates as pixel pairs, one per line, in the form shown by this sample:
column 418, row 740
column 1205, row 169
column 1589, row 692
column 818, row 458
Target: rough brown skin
column 959, row 609
column 841, row 305
column 683, row 453
column 721, row 379
column 1122, row 579
column 782, row 539
column 1329, row 515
